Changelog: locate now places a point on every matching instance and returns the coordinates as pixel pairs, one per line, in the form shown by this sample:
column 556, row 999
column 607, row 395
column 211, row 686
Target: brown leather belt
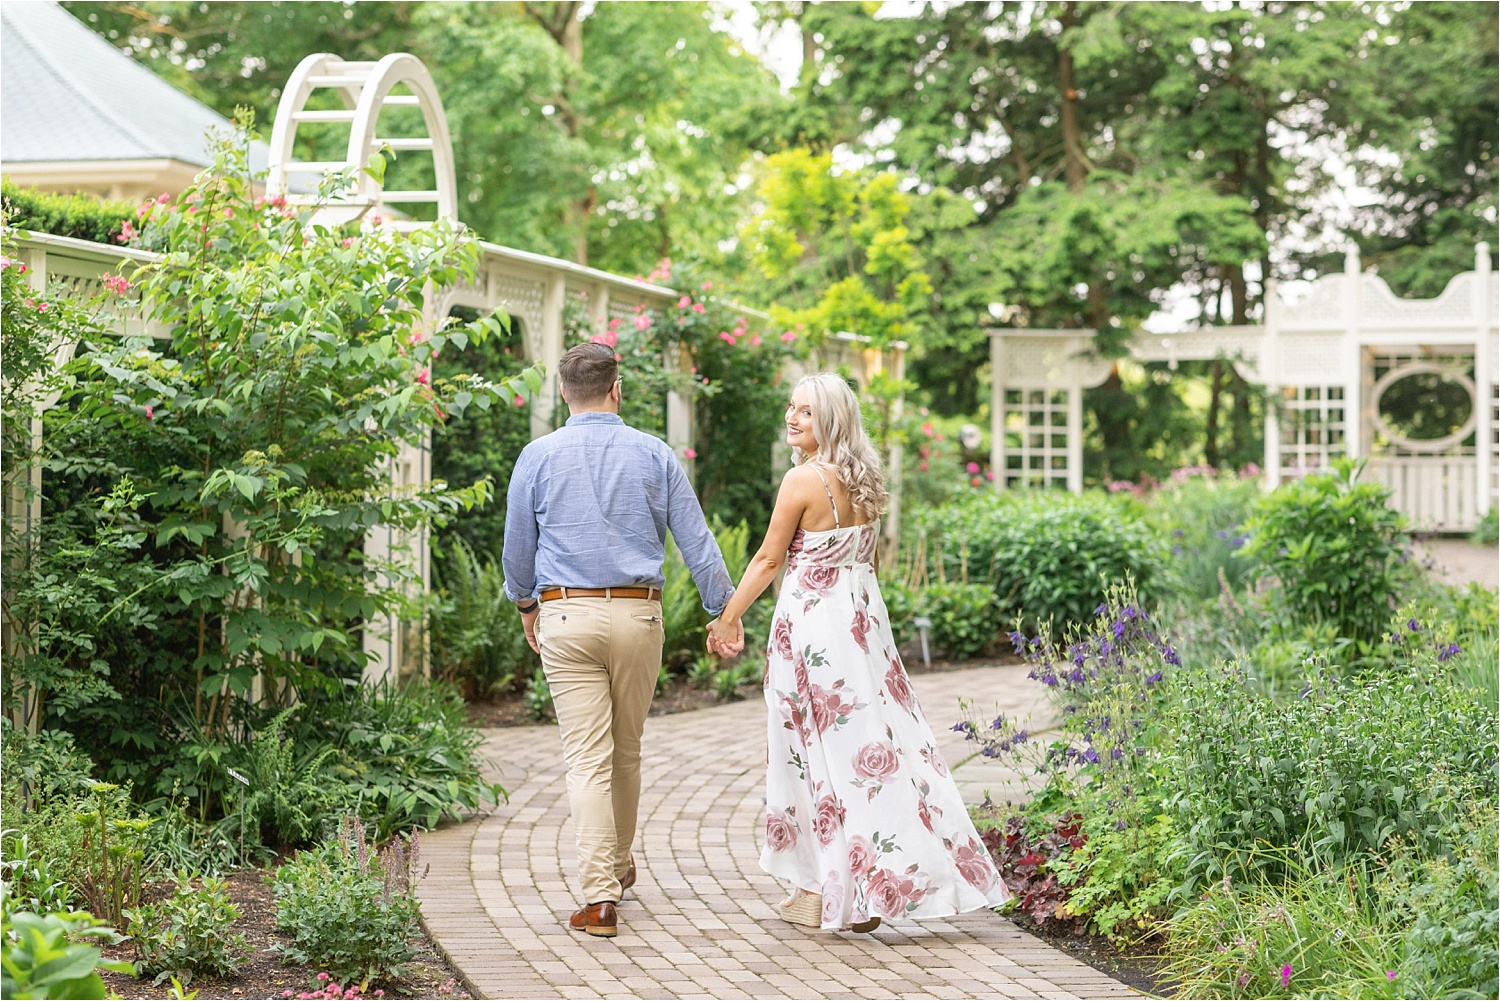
column 633, row 591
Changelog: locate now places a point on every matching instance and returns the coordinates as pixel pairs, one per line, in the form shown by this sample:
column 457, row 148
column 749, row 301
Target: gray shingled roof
column 66, row 94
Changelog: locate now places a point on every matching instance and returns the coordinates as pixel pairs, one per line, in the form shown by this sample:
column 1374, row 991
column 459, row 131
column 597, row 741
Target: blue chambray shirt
column 590, row 505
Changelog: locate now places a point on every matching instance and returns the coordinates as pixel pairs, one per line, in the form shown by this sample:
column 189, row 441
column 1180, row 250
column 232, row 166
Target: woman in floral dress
column 862, row 817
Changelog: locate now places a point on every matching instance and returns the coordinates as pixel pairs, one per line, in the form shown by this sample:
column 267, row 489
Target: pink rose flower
column 934, row 757
column 878, row 761
column 862, row 627
column 699, row 308
column 788, row 337
column 781, row 831
column 690, row 453
column 684, row 302
column 974, row 865
column 889, row 893
column 827, row 819
column 900, row 688
column 781, row 637
column 818, row 579
column 642, row 322
column 861, row 855
column 833, row 898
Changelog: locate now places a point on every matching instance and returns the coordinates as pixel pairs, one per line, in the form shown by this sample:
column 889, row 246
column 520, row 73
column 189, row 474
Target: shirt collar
column 594, row 417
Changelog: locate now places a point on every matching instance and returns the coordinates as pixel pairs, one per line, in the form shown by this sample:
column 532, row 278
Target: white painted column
column 680, row 410
column 1353, row 358
column 1485, row 377
column 997, row 407
column 1270, row 362
column 1075, row 430
column 554, row 294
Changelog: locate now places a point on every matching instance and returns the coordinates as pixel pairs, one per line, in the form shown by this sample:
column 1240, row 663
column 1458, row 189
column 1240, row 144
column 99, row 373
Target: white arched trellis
column 1325, row 359
column 365, row 90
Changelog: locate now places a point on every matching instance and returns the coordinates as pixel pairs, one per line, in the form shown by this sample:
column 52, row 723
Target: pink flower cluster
column 118, row 284
column 662, row 272
column 331, row 989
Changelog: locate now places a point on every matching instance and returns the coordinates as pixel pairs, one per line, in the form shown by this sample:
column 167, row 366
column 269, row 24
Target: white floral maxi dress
column 859, row 803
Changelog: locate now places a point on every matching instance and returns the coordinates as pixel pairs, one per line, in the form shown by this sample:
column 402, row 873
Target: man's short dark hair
column 588, row 372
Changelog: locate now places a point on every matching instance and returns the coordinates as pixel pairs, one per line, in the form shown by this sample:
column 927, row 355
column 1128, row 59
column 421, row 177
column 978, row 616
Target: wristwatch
column 527, row 609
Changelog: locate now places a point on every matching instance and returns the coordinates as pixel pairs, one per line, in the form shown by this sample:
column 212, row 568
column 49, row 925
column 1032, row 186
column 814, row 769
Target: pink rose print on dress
column 924, row 813
column 861, row 855
column 799, row 671
column 828, row 819
column 861, row 628
column 934, row 758
column 793, row 717
column 781, row 637
column 833, row 898
column 974, row 864
column 781, row 829
column 831, row 708
column 900, row 688
column 819, row 579
column 890, row 894
column 876, row 763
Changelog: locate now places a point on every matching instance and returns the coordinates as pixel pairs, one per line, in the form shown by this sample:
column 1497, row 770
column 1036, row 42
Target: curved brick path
column 699, row 922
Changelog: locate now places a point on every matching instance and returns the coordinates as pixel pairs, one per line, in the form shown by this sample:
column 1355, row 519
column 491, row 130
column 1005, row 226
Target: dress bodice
column 849, row 546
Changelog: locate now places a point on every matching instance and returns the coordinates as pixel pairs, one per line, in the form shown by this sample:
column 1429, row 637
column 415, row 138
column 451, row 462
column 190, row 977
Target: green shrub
column 478, row 643
column 42, row 956
column 28, row 877
column 538, row 696
column 289, row 794
column 83, row 217
column 187, row 933
column 406, row 754
column 1122, row 877
column 1487, row 532
column 1338, row 552
column 1336, row 772
column 351, row 910
column 1202, row 517
column 963, row 616
column 1047, row 556
column 41, row 767
column 901, row 605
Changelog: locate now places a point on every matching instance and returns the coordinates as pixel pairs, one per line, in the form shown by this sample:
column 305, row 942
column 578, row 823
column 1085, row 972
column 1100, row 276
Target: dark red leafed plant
column 1025, row 864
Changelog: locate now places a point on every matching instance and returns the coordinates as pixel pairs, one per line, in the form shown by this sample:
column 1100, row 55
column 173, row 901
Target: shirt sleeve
column 519, row 555
column 700, row 550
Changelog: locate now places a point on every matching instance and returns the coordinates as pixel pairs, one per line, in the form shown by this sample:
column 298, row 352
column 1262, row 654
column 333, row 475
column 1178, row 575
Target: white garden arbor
column 1325, row 361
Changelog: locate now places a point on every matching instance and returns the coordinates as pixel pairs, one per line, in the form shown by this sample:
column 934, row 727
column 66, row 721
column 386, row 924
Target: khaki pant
column 601, row 657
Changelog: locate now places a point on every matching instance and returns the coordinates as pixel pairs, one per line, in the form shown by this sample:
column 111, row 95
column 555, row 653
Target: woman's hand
column 725, row 639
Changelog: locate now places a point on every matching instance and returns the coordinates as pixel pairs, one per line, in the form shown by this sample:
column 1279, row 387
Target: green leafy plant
column 42, row 957
column 405, row 754
column 112, row 867
column 538, row 696
column 187, row 933
column 28, row 877
column 351, row 910
column 288, row 795
column 1337, row 550
column 964, row 618
column 478, row 643
column 729, row 679
column 1487, row 532
column 1047, row 556
column 1202, row 519
column 1121, row 879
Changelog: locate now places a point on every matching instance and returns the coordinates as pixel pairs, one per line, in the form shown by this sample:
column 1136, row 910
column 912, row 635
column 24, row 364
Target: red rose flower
column 827, row 819
column 974, row 864
column 900, row 688
column 781, row 831
column 877, row 760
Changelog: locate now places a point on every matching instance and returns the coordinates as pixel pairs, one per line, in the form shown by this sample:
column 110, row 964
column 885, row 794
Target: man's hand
column 726, row 639
column 528, row 622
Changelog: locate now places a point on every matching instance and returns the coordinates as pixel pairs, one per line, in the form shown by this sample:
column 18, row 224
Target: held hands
column 725, row 639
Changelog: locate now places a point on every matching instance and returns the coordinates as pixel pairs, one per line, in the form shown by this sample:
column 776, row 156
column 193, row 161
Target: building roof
column 66, row 94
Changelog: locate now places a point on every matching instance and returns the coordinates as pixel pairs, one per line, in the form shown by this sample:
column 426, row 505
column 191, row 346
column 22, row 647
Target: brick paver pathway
column 699, row 922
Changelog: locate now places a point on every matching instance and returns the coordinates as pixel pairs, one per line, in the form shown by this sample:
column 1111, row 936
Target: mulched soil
column 1138, row 965
column 264, row 976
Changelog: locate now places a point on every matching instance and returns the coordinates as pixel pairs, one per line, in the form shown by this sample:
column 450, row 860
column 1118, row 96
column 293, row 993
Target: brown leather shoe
column 628, row 880
column 596, row 919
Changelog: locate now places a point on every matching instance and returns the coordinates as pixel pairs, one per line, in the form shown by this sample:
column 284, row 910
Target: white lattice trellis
column 1035, row 424
column 1313, row 428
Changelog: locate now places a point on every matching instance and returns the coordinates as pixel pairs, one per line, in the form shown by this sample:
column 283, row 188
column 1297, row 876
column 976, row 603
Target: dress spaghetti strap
column 829, row 492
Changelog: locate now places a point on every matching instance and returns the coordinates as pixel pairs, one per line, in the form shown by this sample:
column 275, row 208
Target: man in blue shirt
column 589, row 509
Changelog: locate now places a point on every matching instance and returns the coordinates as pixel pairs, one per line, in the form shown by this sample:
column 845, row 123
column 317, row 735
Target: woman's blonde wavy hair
column 842, row 441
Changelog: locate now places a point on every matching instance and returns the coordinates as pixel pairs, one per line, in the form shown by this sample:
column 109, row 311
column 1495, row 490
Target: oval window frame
column 1428, row 445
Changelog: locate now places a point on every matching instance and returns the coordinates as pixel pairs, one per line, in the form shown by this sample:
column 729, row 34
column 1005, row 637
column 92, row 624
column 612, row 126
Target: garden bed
column 264, row 975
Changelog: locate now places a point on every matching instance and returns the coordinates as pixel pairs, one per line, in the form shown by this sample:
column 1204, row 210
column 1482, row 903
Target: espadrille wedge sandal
column 805, row 910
